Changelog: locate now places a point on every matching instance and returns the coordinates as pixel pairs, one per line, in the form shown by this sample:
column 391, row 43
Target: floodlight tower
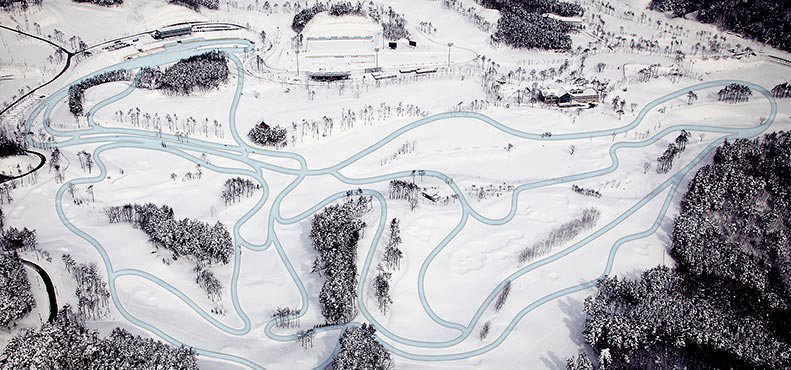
column 450, row 44
column 297, row 54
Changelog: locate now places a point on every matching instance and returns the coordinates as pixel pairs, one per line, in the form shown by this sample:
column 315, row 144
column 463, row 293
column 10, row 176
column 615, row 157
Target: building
column 582, row 95
column 328, row 76
column 574, row 22
column 172, row 32
column 551, row 94
column 567, row 96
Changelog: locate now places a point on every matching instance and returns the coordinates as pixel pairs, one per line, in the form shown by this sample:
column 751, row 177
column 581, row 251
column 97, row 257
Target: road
column 53, row 300
column 42, row 160
column 69, row 55
column 115, row 138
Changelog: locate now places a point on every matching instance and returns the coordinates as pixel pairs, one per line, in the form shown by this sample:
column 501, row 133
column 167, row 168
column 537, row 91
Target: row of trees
column 569, row 230
column 101, row 2
column 392, row 260
column 205, row 279
column 334, row 233
column 234, row 189
column 734, row 93
column 585, row 191
column 782, row 91
column 197, row 73
column 93, row 298
column 727, row 303
column 665, row 161
column 197, row 4
column 77, row 91
column 187, row 237
column 67, row 344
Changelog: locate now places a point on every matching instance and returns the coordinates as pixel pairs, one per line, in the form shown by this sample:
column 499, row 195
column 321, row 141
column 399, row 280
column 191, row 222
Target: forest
column 523, row 25
column 16, row 301
column 335, row 232
column 190, row 238
column 766, row 21
column 67, row 344
column 727, row 303
column 197, row 73
column 360, row 350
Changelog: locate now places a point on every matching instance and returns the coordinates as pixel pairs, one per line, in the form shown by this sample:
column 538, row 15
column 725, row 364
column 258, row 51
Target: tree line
column 734, row 93
column 564, row 233
column 767, row 21
column 77, row 90
column 782, row 90
column 665, row 161
column 393, row 23
column 585, row 191
column 197, row 4
column 727, row 303
column 197, row 73
column 93, row 298
column 101, row 2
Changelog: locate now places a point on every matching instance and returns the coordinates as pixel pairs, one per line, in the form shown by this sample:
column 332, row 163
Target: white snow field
column 499, row 168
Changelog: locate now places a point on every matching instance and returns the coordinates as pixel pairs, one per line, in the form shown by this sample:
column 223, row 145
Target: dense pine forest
column 197, row 73
column 16, row 301
column 360, row 350
column 523, row 25
column 67, row 344
column 334, row 233
column 727, row 303
column 767, row 21
column 190, row 238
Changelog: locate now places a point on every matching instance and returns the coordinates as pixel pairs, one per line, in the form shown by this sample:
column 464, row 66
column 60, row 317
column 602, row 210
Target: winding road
column 115, row 138
column 53, row 299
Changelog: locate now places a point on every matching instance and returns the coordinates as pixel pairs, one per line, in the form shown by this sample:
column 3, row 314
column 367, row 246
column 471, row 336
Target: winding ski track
column 115, row 138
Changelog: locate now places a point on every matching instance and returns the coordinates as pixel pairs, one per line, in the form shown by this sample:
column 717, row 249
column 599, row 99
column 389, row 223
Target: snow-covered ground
column 457, row 252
